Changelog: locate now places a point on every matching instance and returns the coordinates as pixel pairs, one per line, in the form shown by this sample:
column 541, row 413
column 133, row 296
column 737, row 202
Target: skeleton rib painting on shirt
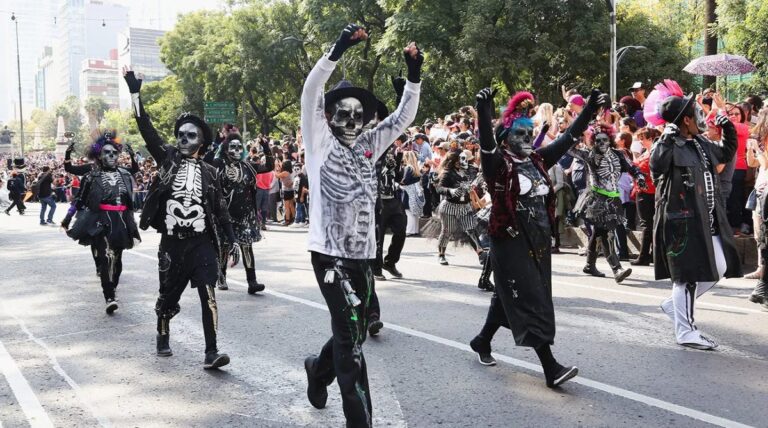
column 184, row 209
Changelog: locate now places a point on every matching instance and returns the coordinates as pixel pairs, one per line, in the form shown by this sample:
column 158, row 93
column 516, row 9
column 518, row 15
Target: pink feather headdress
column 661, row 92
column 517, row 107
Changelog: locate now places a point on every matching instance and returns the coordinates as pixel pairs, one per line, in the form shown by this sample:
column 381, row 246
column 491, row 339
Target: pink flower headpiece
column 662, row 91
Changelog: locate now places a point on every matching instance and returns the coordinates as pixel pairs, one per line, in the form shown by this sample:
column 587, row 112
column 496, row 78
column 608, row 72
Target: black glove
column 134, row 84
column 414, row 65
column 597, row 99
column 129, row 150
column 265, row 148
column 345, row 41
column 69, row 150
column 484, row 100
column 398, row 83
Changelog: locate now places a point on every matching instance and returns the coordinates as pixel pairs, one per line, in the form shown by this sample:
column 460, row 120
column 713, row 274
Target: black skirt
column 119, row 227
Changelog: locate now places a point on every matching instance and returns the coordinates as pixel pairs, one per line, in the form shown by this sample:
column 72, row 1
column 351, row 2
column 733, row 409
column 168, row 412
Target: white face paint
column 235, row 150
column 463, row 163
column 108, row 156
column 701, row 118
column 189, row 139
column 602, row 143
column 347, row 120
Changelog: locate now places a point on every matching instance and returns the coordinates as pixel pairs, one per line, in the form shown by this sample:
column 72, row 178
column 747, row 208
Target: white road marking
column 30, row 405
column 57, row 367
column 610, row 389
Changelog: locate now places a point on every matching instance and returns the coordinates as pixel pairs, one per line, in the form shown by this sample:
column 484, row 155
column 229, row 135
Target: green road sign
column 220, row 111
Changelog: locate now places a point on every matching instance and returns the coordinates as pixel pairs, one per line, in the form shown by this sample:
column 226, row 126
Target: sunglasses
column 190, row 135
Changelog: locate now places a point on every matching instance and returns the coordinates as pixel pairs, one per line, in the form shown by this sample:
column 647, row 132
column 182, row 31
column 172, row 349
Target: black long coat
column 682, row 244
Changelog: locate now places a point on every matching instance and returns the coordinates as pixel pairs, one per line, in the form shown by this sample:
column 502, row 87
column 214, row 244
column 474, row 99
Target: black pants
column 621, row 239
column 109, row 263
column 246, row 253
column 391, row 216
column 342, row 356
column 16, row 201
column 737, row 199
column 646, row 208
column 184, row 261
column 607, row 240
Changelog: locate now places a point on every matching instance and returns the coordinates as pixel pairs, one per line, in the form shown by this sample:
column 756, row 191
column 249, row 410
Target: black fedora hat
column 674, row 108
column 197, row 121
column 18, row 163
column 344, row 89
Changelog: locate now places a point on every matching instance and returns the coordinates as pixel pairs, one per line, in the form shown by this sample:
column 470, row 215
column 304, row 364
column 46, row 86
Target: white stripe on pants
column 684, row 298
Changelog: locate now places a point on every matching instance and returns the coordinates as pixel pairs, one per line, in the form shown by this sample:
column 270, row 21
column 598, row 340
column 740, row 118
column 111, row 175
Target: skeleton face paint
column 189, row 139
column 701, row 118
column 347, row 120
column 602, row 143
column 235, row 150
column 520, row 139
column 296, row 169
column 463, row 163
column 108, row 156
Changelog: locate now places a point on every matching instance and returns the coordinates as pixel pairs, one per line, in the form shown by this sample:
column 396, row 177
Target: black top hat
column 200, row 123
column 674, row 108
column 344, row 89
column 18, row 163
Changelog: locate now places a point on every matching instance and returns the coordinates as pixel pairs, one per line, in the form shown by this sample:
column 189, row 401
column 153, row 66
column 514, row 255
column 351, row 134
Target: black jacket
column 450, row 180
column 169, row 159
column 683, row 249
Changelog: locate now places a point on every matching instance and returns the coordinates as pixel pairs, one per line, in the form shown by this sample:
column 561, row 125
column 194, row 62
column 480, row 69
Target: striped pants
column 455, row 219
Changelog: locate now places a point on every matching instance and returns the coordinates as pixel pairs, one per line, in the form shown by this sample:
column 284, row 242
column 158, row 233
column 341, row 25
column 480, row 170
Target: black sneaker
column 317, row 392
column 392, row 270
column 562, row 376
column 163, row 345
column 111, row 306
column 254, row 286
column 641, row 261
column 379, row 276
column 50, row 222
column 485, row 284
column 374, row 327
column 485, row 358
column 441, row 259
column 214, row 360
column 592, row 270
column 223, row 283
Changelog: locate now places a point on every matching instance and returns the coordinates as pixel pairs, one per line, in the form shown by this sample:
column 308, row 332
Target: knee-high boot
column 254, row 285
column 223, row 258
column 590, row 268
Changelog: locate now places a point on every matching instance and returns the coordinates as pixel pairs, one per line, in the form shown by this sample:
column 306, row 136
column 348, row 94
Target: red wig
column 517, row 106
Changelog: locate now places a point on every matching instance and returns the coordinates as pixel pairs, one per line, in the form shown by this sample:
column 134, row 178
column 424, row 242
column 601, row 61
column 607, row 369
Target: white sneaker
column 296, row 225
column 702, row 343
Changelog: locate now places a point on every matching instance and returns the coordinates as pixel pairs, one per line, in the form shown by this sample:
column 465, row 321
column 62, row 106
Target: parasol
column 720, row 65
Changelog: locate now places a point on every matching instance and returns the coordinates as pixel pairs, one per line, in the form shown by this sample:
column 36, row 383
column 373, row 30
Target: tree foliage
column 744, row 26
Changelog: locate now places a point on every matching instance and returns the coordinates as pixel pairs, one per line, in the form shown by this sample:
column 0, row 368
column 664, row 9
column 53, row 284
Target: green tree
column 95, row 107
column 69, row 109
column 164, row 101
column 744, row 26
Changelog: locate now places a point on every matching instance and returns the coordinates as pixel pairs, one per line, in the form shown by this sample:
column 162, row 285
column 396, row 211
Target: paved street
column 66, row 363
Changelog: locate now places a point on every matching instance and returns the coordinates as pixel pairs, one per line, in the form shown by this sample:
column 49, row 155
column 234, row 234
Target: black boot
column 317, row 391
column 485, row 284
column 374, row 327
column 223, row 282
column 163, row 346
column 642, row 261
column 759, row 294
column 254, row 286
column 590, row 269
column 214, row 360
column 619, row 273
column 390, row 267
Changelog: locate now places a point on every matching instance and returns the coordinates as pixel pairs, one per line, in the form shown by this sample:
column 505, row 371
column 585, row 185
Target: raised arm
column 385, row 133
column 74, row 169
column 490, row 158
column 553, row 151
column 155, row 143
column 134, row 164
column 269, row 160
column 725, row 153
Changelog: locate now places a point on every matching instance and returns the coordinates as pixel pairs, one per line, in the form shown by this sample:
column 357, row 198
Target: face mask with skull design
column 463, row 162
column 347, row 120
column 602, row 143
column 234, row 150
column 701, row 118
column 189, row 139
column 520, row 138
column 108, row 157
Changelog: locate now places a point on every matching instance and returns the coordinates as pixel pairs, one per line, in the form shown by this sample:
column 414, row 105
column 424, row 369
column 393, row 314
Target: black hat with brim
column 197, row 121
column 18, row 163
column 673, row 108
column 344, row 89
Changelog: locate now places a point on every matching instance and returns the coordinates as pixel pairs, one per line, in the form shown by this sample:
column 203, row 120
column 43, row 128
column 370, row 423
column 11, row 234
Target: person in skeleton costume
column 238, row 179
column 105, row 221
column 601, row 203
column 340, row 160
column 185, row 204
column 693, row 242
column 456, row 217
column 520, row 227
column 83, row 171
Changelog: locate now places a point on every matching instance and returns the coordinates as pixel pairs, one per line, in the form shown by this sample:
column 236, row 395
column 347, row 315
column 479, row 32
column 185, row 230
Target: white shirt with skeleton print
column 343, row 179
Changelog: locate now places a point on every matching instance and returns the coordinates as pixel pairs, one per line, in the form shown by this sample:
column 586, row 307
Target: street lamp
column 18, row 70
column 623, row 51
column 612, row 9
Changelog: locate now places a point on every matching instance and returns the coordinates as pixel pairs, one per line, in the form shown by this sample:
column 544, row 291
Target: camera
column 69, row 134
